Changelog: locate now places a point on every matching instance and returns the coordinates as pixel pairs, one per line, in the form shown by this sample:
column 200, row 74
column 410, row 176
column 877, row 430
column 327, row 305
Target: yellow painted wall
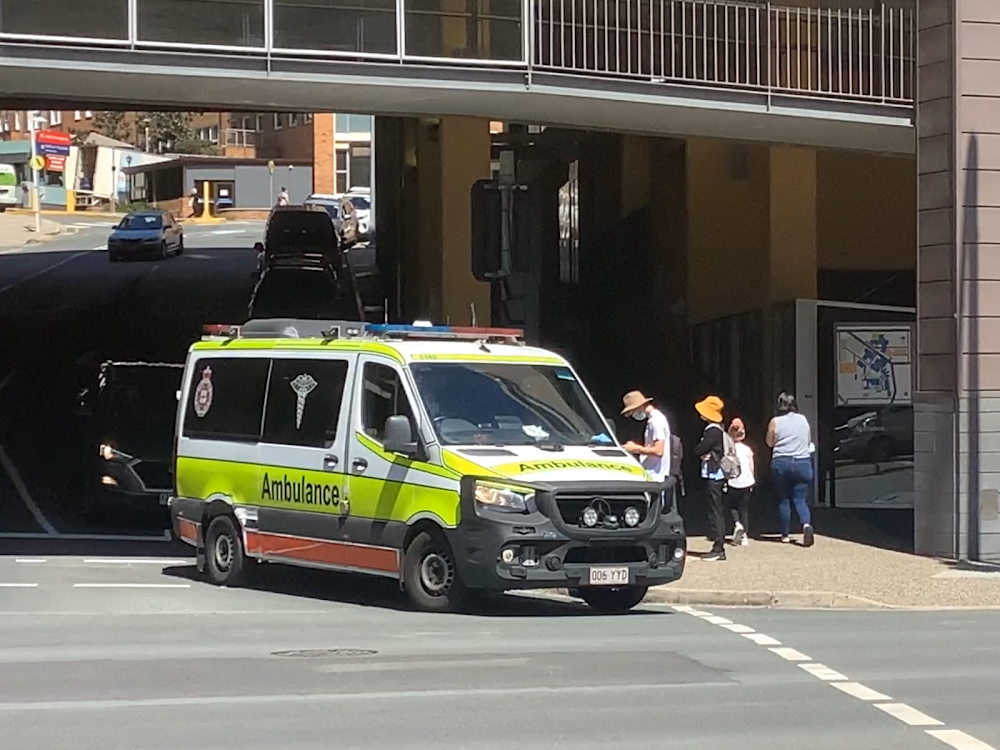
column 866, row 212
column 728, row 224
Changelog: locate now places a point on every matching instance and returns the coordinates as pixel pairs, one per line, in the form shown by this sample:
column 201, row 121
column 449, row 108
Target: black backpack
column 676, row 456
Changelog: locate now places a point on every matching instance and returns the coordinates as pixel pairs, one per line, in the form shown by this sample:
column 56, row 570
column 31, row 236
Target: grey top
column 791, row 436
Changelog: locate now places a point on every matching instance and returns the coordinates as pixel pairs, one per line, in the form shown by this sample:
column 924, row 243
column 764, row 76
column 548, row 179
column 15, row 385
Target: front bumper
column 548, row 552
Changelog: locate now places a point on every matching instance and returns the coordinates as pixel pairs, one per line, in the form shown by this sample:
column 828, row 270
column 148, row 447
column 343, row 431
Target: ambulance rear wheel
column 430, row 575
column 225, row 561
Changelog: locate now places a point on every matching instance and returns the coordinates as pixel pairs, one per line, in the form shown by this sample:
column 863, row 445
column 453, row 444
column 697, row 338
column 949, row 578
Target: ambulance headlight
column 497, row 497
column 631, row 517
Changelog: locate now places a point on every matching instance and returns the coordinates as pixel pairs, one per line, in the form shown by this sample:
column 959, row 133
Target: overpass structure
column 828, row 76
column 755, row 154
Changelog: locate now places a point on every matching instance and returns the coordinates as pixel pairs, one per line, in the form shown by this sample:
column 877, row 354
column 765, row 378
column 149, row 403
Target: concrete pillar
column 324, row 153
column 465, row 158
column 451, row 154
column 957, row 398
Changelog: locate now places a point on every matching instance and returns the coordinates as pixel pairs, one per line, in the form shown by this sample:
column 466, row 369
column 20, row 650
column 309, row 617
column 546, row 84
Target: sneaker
column 745, row 541
column 785, row 539
column 715, row 556
column 739, row 535
column 808, row 537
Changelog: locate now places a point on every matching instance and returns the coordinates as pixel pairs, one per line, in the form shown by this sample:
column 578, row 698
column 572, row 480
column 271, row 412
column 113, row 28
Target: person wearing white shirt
column 654, row 453
column 741, row 486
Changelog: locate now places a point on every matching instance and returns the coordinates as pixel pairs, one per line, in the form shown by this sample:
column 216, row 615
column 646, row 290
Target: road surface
column 132, row 652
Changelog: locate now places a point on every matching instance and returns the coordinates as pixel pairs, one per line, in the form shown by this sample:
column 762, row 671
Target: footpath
column 18, row 230
column 863, row 573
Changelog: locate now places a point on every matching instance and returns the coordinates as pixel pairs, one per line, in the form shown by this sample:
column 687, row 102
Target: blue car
column 146, row 234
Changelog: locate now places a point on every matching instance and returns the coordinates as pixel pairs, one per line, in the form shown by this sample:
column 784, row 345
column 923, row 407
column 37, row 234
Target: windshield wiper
column 548, row 445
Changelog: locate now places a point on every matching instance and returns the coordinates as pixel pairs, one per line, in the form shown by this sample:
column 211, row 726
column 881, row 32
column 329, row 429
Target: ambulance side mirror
column 399, row 437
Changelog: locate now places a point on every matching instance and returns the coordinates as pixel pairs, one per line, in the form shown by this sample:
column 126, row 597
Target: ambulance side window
column 303, row 401
column 383, row 397
column 226, row 399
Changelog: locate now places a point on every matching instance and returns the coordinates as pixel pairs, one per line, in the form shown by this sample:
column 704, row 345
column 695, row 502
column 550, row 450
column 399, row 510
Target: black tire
column 430, row 574
column 164, row 250
column 225, row 561
column 180, row 247
column 613, row 601
column 113, row 258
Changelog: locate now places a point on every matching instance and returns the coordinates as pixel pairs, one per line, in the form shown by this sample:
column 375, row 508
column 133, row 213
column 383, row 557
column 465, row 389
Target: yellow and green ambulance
column 450, row 459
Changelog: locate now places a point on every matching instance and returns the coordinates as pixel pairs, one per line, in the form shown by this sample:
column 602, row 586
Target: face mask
column 639, row 416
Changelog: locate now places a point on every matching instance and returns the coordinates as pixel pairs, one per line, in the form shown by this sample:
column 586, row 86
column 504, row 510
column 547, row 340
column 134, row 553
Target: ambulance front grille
column 571, row 506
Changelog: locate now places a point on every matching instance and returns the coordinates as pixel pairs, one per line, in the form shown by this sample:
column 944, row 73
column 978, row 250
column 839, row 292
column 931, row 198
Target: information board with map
column 874, row 365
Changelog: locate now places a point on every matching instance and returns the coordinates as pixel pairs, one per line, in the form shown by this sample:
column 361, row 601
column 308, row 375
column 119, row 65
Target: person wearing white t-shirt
column 654, row 453
column 741, row 486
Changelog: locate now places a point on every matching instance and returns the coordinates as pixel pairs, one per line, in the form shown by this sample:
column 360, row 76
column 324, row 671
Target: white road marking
column 88, row 537
column 26, row 498
column 716, row 620
column 790, row 654
column 30, row 560
column 131, row 585
column 737, row 628
column 908, row 715
column 959, row 739
column 136, row 561
column 762, row 640
column 823, row 672
column 859, row 691
column 42, row 271
column 18, row 585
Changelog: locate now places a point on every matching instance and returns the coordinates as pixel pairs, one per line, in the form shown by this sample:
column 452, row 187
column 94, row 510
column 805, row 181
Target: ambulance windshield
column 487, row 403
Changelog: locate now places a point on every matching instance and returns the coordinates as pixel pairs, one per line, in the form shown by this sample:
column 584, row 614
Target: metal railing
column 843, row 54
column 832, row 53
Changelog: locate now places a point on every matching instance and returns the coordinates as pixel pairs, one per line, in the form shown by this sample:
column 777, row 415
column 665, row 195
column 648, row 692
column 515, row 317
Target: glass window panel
column 464, row 29
column 336, row 25
column 94, row 19
column 360, row 170
column 233, row 23
column 354, row 123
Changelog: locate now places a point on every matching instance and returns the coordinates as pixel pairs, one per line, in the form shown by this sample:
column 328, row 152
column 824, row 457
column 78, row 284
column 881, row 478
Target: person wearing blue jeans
column 790, row 440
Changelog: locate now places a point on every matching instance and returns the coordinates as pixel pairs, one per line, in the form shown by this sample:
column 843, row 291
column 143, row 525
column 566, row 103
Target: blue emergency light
column 426, row 330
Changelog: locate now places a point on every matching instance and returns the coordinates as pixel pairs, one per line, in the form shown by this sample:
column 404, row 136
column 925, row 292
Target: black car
column 146, row 234
column 304, row 287
column 127, row 429
column 300, row 231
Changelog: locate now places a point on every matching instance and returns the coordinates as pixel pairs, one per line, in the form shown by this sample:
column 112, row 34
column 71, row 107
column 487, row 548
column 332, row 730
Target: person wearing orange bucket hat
column 711, row 450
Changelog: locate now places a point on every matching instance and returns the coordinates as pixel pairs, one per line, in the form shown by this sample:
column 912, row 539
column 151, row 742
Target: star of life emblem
column 302, row 385
column 203, row 393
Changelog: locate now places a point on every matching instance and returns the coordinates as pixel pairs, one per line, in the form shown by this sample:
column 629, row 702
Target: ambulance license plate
column 609, row 576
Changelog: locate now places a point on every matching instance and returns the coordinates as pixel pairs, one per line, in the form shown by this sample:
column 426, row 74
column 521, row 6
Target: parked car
column 126, row 427
column 10, row 195
column 149, row 234
column 304, row 287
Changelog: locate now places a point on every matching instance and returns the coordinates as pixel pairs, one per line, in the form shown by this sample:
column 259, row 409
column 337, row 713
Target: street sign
column 47, row 149
column 53, row 138
column 55, row 163
column 270, row 167
column 37, row 162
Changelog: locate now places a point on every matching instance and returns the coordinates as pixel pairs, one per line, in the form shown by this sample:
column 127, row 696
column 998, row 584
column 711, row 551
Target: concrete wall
column 252, row 182
column 957, row 433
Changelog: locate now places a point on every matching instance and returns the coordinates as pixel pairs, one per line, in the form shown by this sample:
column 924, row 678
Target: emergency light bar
column 424, row 330
column 343, row 329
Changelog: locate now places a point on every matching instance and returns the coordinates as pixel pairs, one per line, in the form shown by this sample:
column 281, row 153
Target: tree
column 168, row 130
column 112, row 125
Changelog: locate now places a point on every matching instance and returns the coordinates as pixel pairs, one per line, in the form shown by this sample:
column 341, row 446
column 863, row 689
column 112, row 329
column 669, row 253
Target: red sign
column 53, row 138
column 55, row 163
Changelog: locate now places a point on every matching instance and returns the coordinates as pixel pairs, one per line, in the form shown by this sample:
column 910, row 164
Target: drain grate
column 325, row 653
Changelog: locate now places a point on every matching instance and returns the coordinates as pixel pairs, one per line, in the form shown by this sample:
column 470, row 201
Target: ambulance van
column 453, row 460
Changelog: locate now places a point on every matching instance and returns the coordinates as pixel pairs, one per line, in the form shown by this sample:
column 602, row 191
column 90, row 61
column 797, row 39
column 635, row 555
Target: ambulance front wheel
column 225, row 560
column 430, row 575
